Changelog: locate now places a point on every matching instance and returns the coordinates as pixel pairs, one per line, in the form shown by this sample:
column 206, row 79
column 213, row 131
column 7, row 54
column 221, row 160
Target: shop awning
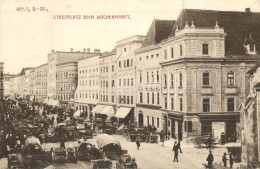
column 77, row 113
column 175, row 116
column 122, row 112
column 221, row 116
column 98, row 109
column 107, row 110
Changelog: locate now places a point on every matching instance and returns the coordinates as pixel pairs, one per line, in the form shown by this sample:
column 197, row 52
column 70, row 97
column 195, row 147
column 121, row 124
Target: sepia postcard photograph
column 130, row 84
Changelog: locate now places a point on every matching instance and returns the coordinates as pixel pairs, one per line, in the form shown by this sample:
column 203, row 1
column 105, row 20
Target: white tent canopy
column 56, row 103
column 77, row 113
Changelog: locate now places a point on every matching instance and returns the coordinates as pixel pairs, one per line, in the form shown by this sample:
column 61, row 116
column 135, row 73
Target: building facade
column 39, row 82
column 107, row 84
column 66, row 82
column 148, row 75
column 126, row 77
column 59, row 57
column 87, row 93
column 204, row 74
column 7, row 90
column 250, row 121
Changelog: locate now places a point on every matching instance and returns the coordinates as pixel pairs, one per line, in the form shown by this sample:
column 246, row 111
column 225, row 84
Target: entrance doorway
column 231, row 131
column 165, row 126
column 141, row 120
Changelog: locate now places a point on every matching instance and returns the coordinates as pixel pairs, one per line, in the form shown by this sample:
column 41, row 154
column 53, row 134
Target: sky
column 26, row 38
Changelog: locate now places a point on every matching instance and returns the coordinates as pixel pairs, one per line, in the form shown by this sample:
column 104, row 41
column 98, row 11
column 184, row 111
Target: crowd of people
column 21, row 119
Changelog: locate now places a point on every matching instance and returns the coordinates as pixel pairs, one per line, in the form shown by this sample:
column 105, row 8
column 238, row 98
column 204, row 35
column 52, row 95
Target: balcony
column 231, row 90
column 207, row 90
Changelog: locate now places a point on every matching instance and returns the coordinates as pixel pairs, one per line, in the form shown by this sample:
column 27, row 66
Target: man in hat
column 231, row 160
column 224, row 159
column 210, row 159
column 175, row 149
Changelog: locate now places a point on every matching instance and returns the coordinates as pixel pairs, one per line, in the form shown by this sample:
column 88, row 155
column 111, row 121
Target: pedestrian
column 166, row 134
column 231, row 160
column 175, row 149
column 210, row 159
column 137, row 143
column 169, row 134
column 62, row 145
column 224, row 159
column 209, row 143
column 179, row 145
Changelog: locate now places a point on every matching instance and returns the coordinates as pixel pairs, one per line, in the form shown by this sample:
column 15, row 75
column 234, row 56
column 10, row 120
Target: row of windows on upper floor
column 65, row 97
column 65, row 86
column 104, row 98
column 88, row 82
column 65, row 75
column 88, row 95
column 88, row 71
column 126, row 99
column 206, row 104
column 205, row 79
column 126, row 63
column 126, row 82
column 205, row 51
column 148, row 75
column 153, row 96
column 104, row 69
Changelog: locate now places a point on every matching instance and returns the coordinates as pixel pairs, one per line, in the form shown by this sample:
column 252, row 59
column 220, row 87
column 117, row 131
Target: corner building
column 204, row 73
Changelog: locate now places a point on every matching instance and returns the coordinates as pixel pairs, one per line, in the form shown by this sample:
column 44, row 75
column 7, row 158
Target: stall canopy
column 45, row 101
column 122, row 112
column 107, row 110
column 98, row 109
column 49, row 102
column 56, row 103
column 77, row 113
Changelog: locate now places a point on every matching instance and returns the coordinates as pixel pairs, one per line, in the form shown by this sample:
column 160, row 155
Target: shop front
column 216, row 124
column 175, row 124
column 149, row 116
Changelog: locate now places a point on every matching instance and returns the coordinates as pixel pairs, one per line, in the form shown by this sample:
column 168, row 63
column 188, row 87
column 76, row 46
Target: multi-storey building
column 107, row 83
column 1, row 80
column 7, row 84
column 148, row 74
column 250, row 121
column 40, row 82
column 87, row 92
column 204, row 72
column 59, row 57
column 125, row 74
column 66, row 82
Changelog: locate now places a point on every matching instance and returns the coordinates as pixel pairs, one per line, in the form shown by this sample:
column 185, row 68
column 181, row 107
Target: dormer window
column 249, row 45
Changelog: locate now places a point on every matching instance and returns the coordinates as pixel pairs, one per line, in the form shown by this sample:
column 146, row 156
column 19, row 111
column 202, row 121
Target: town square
column 178, row 90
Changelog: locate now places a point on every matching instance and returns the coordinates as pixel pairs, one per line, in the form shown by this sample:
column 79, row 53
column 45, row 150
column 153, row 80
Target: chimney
column 71, row 49
column 88, row 50
column 84, row 50
column 96, row 50
column 247, row 10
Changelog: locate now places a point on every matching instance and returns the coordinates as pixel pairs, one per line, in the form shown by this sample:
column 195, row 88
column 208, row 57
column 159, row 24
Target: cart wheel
column 196, row 144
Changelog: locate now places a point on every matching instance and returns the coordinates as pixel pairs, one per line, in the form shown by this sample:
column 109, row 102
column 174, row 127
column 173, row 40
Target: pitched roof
column 237, row 25
column 254, row 68
column 158, row 31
